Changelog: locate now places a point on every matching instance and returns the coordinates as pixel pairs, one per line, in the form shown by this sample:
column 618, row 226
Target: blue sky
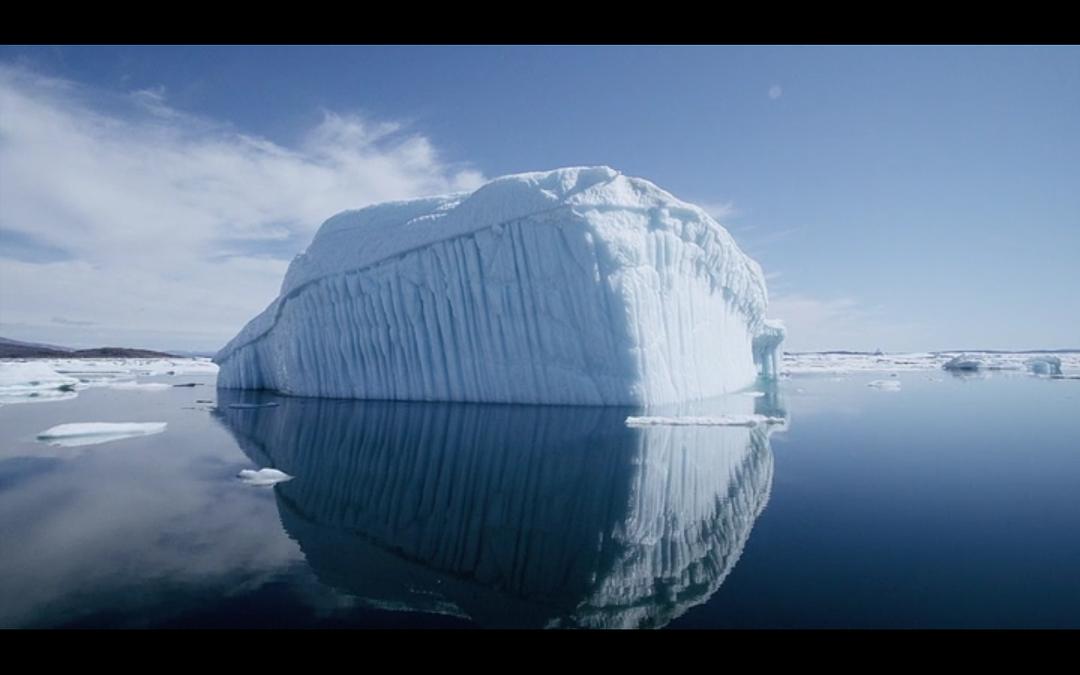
column 905, row 198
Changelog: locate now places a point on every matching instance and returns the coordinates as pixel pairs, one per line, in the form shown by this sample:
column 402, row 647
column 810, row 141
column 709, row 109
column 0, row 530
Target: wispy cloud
column 819, row 324
column 721, row 211
column 816, row 324
column 72, row 322
column 154, row 219
column 775, row 92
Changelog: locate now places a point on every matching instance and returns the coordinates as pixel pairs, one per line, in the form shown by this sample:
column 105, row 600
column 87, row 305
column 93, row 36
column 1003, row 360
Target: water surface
column 952, row 502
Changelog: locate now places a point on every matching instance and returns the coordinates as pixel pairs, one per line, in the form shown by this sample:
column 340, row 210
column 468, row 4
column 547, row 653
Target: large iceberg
column 575, row 286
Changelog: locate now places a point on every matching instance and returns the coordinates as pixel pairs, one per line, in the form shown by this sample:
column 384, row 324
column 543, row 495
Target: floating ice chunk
column 30, row 381
column 91, row 433
column 263, row 477
column 140, row 386
column 887, row 385
column 578, row 286
column 962, row 362
column 711, row 421
column 135, row 366
column 1044, row 365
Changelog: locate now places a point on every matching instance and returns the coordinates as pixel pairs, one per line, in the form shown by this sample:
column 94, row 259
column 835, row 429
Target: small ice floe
column 92, row 433
column 250, row 406
column 140, row 386
column 962, row 362
column 714, row 421
column 263, row 477
column 1044, row 365
column 887, row 385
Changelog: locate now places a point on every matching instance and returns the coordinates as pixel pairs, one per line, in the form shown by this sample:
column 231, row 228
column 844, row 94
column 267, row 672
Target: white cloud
column 160, row 214
column 775, row 92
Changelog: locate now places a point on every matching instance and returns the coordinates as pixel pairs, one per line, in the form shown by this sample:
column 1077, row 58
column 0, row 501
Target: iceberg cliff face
column 576, row 286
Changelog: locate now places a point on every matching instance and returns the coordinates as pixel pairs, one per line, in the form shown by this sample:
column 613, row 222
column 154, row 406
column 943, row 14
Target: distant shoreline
column 20, row 352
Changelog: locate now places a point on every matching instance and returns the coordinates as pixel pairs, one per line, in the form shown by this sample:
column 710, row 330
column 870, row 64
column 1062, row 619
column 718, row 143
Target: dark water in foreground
column 951, row 503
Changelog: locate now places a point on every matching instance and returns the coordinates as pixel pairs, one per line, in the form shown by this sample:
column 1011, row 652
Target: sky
column 897, row 198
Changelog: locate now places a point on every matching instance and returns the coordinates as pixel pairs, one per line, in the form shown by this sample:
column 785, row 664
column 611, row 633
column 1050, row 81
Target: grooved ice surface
column 575, row 286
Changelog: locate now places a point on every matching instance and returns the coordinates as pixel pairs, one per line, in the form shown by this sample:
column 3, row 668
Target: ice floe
column 963, row 362
column 27, row 381
column 887, row 385
column 252, row 406
column 140, row 386
column 92, row 433
column 710, row 421
column 31, row 380
column 263, row 477
column 856, row 362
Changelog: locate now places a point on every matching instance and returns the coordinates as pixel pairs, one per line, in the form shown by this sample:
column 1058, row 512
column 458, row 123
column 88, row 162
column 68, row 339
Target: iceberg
column 577, row 286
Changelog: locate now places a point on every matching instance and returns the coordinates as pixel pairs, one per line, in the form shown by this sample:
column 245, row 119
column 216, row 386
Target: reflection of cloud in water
column 148, row 529
column 512, row 515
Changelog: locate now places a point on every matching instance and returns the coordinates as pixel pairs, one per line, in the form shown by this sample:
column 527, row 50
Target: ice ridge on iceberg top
column 574, row 286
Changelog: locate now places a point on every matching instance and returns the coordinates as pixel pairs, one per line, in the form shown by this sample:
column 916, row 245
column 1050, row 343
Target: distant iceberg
column 962, row 362
column 1044, row 365
column 577, row 286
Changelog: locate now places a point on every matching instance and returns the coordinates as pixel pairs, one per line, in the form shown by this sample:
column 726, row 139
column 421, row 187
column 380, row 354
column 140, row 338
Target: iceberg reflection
column 511, row 515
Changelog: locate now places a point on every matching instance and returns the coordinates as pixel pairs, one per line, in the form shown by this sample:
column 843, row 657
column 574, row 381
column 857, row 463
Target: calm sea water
column 954, row 502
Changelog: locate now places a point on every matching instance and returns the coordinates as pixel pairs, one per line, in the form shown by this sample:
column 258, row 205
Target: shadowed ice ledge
column 531, row 516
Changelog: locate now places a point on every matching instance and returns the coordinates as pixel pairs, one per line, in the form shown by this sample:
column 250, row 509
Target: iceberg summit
column 577, row 286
